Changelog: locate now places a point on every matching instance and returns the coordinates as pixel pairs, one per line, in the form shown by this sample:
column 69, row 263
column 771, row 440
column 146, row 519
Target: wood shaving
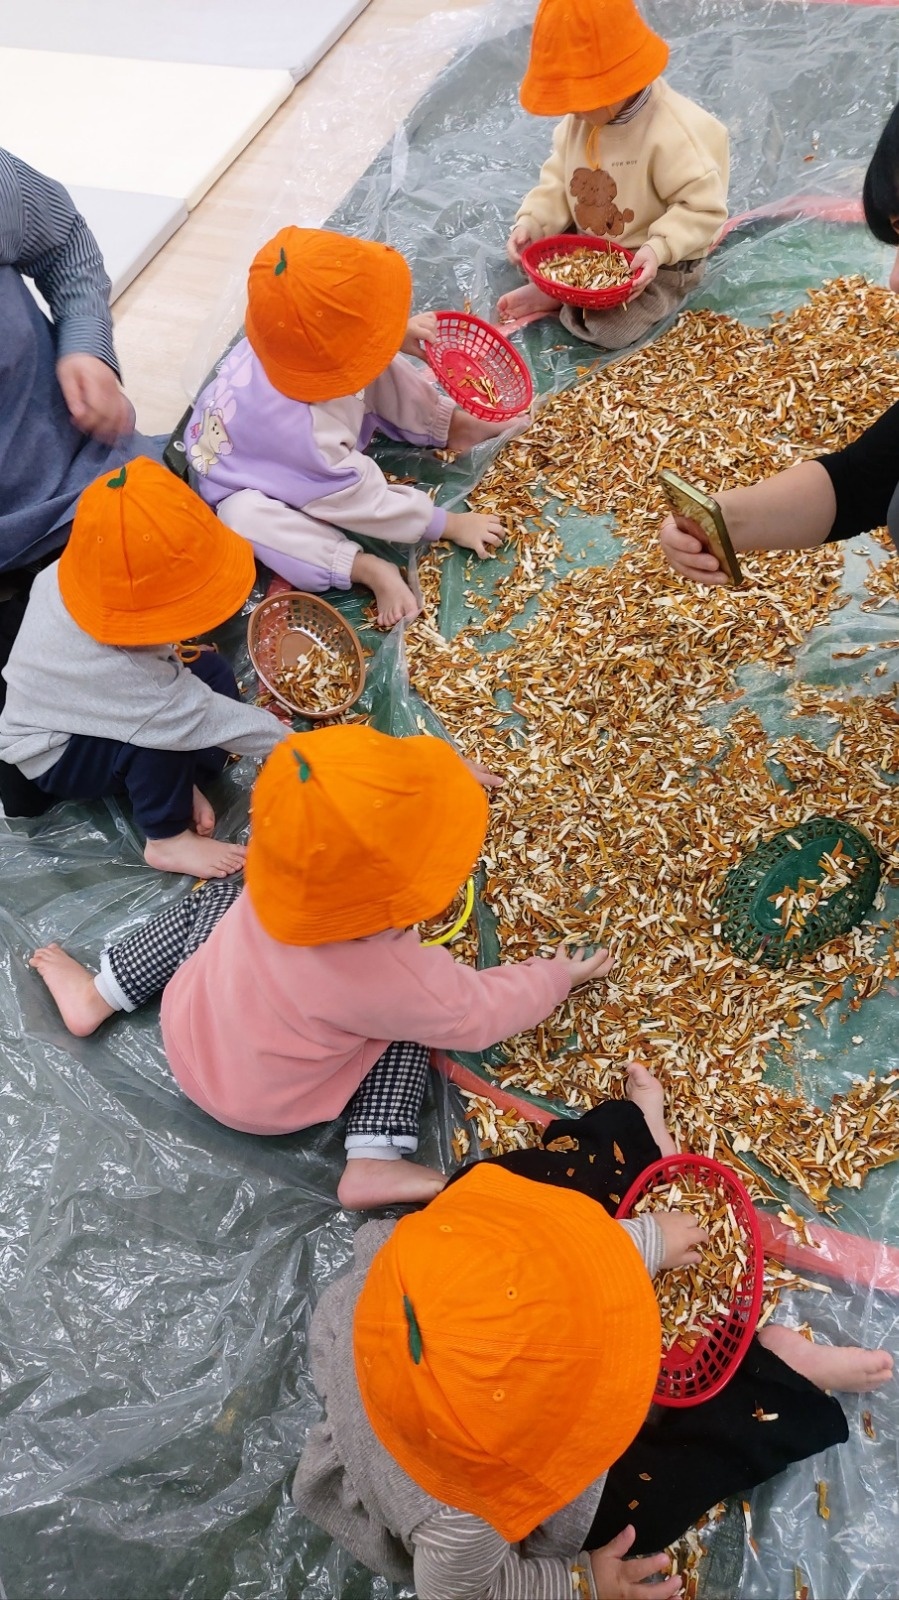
column 694, row 1300
column 794, row 904
column 624, row 803
column 319, row 681
column 587, row 269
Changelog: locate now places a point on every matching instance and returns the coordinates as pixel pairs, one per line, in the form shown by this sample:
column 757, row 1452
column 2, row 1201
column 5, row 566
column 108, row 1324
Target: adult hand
column 518, row 240
column 682, row 1238
column 97, row 404
column 420, row 330
column 617, row 1579
column 487, row 779
column 644, row 266
column 683, row 545
column 582, row 969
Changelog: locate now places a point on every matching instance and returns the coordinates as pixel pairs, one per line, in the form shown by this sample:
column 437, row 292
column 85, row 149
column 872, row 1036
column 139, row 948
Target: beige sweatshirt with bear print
column 659, row 177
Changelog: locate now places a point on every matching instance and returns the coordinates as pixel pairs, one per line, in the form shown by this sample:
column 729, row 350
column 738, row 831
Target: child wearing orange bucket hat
column 312, row 993
column 486, row 1370
column 278, row 438
column 632, row 161
column 98, row 700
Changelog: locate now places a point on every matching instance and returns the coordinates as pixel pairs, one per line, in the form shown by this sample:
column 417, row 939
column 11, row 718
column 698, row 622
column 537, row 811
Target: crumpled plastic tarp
column 158, row 1270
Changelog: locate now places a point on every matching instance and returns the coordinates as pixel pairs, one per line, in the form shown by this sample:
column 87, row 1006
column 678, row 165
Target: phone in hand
column 686, row 501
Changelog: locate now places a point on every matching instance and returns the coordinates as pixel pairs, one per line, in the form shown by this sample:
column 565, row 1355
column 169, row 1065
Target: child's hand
column 582, row 969
column 486, row 778
column 419, row 330
column 682, row 1238
column 517, row 241
column 683, row 545
column 646, row 263
column 617, row 1579
column 473, row 530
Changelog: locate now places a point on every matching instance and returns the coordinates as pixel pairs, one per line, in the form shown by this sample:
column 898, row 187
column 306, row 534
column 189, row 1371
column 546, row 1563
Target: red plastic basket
column 687, row 1377
column 467, row 349
column 565, row 244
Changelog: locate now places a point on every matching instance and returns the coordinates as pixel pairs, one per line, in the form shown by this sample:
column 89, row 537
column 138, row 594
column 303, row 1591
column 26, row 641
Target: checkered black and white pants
column 384, row 1113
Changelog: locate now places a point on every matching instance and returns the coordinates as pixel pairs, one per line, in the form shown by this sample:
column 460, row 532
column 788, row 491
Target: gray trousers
column 624, row 325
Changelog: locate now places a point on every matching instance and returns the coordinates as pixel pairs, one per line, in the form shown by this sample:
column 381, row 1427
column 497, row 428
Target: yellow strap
column 459, row 924
column 591, row 149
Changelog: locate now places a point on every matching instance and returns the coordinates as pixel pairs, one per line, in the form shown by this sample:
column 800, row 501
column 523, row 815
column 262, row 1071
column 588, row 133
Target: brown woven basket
column 283, row 628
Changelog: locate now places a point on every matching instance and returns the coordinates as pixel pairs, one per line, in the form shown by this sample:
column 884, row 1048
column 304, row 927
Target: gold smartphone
column 706, row 513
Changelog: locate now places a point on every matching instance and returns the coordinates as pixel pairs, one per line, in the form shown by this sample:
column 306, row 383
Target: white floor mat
column 146, row 127
column 290, row 34
column 129, row 228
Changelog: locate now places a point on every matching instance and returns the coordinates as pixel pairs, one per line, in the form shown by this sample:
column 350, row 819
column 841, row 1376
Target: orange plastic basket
column 560, row 244
column 467, row 352
column 687, row 1377
column 286, row 626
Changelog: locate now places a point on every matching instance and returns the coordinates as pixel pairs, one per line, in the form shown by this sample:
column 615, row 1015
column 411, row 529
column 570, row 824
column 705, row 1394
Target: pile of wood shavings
column 319, row 681
column 587, row 269
column 794, row 904
column 623, row 807
column 694, row 1299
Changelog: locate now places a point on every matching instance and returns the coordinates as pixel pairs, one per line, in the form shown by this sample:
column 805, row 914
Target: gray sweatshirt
column 61, row 681
column 348, row 1483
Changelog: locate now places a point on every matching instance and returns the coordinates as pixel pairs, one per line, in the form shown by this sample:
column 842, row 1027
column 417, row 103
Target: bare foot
column 828, row 1366
column 393, row 597
column 524, row 302
column 466, row 431
column 81, row 1006
column 204, row 816
column 647, row 1093
column 201, row 858
column 368, row 1184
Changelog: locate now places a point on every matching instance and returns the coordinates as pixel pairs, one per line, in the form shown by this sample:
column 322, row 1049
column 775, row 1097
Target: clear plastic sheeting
column 159, row 1270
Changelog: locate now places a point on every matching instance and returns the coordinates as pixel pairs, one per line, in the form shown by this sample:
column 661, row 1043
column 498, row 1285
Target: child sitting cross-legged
column 310, row 993
column 486, row 1370
column 632, row 161
column 99, row 702
column 278, row 439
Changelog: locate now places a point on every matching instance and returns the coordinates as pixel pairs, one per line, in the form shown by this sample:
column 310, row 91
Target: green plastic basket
column 770, row 908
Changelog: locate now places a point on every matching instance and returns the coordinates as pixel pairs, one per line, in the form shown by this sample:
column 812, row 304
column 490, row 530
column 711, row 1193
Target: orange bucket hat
column 589, row 53
column 507, row 1343
column 354, row 832
column 148, row 563
column 326, row 313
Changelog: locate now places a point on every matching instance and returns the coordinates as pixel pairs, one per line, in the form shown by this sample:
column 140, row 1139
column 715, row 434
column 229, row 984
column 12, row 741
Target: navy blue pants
column 159, row 783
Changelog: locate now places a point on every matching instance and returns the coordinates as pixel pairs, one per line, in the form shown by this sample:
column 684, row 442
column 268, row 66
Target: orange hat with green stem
column 589, row 53
column 147, row 562
column 326, row 313
column 354, row 832
column 507, row 1343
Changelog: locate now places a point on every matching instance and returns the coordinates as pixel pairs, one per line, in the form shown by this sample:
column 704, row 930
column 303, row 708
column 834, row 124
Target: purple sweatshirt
column 244, row 434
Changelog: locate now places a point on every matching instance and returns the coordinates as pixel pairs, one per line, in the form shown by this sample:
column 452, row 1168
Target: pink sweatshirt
column 271, row 1037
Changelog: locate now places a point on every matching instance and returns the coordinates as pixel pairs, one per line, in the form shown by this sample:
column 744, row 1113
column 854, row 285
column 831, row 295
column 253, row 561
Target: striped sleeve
column 647, row 1236
column 45, row 238
column 459, row 1557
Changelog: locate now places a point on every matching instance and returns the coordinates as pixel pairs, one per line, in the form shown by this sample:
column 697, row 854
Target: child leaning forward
column 278, row 439
column 99, row 701
column 310, row 993
column 486, row 1371
column 632, row 162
